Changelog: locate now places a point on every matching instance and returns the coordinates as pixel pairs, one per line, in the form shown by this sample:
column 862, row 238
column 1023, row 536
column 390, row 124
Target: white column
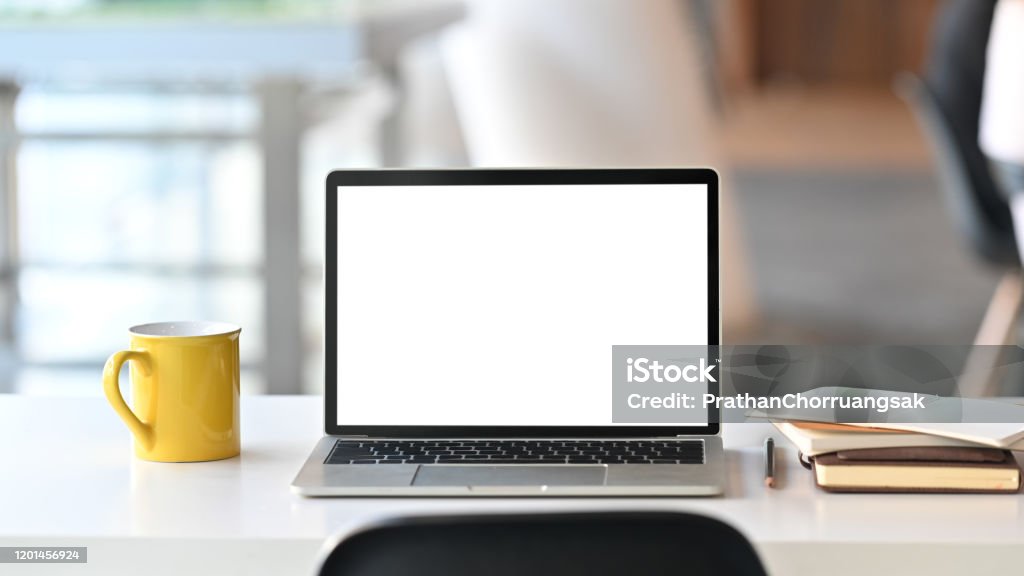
column 8, row 231
column 281, row 140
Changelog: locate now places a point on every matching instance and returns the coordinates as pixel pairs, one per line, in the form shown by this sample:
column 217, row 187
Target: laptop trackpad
column 480, row 475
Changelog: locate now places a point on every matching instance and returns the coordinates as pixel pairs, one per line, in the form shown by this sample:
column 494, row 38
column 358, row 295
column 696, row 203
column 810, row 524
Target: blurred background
column 165, row 159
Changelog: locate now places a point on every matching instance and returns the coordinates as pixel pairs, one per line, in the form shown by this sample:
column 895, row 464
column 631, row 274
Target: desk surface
column 68, row 477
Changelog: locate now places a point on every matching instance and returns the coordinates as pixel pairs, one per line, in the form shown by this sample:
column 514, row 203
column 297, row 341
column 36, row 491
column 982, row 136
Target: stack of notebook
column 920, row 458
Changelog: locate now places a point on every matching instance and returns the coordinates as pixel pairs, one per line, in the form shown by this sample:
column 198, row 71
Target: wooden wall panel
column 833, row 42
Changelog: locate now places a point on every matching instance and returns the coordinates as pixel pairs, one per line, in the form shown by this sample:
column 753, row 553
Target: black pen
column 769, row 462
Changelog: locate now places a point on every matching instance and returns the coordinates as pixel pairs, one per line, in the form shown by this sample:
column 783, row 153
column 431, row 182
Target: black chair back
column 947, row 102
column 587, row 544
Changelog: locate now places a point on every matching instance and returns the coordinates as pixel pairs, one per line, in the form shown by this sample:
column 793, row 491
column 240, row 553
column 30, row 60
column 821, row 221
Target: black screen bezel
column 509, row 177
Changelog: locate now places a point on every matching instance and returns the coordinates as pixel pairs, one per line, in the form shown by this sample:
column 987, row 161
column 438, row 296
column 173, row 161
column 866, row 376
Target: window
column 130, row 205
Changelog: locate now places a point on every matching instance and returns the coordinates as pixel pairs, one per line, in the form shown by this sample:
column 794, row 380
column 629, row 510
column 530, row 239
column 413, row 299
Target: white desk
column 67, row 477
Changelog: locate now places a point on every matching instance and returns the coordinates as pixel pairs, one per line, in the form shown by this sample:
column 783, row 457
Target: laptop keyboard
column 517, row 452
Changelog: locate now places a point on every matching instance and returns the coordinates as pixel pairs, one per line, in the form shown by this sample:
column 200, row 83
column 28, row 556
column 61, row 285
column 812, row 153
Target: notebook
column 919, row 469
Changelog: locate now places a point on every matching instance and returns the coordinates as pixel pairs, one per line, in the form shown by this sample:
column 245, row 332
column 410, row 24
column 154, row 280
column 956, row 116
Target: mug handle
column 111, row 387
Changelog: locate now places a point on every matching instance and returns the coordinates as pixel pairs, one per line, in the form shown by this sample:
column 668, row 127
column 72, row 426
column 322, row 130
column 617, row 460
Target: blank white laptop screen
column 499, row 305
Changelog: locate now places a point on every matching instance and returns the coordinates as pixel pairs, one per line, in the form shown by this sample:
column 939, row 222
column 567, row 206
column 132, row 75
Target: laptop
column 471, row 317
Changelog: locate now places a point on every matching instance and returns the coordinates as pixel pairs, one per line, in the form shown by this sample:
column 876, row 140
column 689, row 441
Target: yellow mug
column 184, row 378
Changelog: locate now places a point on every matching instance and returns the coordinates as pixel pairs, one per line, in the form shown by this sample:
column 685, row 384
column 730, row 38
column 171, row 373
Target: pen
column 769, row 462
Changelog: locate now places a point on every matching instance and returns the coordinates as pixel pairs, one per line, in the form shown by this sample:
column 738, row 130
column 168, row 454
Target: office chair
column 947, row 104
column 584, row 544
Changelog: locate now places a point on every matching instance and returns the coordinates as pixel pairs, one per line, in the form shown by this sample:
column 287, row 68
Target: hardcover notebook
column 918, row 469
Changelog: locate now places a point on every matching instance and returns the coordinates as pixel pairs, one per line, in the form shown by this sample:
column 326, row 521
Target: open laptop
column 470, row 320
